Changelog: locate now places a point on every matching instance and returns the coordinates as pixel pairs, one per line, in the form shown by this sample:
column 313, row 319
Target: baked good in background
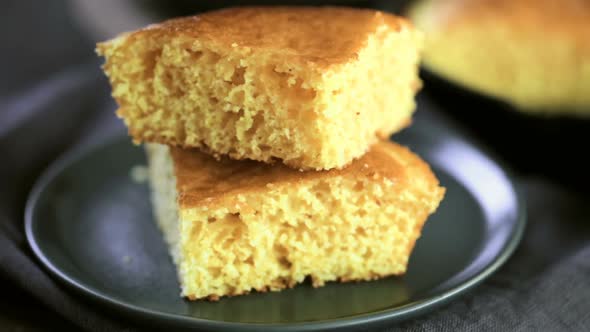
column 532, row 54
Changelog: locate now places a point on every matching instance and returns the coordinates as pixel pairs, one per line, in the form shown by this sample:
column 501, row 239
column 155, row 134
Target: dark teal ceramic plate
column 92, row 227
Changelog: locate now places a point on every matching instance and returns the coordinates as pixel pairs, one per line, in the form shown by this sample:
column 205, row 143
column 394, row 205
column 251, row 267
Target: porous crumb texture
column 330, row 226
column 313, row 87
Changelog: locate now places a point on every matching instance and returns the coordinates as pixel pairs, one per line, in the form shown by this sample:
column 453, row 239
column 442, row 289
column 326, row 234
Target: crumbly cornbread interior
column 313, row 87
column 237, row 226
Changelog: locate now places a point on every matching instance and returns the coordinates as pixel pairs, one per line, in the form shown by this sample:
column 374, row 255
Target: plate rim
column 399, row 313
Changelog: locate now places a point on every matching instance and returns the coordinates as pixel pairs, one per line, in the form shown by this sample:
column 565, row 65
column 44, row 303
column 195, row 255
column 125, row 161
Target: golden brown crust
column 201, row 179
column 315, row 35
column 373, row 276
column 286, row 285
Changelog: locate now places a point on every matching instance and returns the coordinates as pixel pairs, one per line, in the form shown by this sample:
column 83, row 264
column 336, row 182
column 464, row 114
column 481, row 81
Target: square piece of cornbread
column 313, row 87
column 236, row 226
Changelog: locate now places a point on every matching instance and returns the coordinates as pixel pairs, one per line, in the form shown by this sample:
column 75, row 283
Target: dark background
column 41, row 39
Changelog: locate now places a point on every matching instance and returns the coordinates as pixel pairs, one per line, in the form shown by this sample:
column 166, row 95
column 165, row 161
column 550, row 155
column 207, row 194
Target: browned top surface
column 571, row 17
column 323, row 35
column 200, row 177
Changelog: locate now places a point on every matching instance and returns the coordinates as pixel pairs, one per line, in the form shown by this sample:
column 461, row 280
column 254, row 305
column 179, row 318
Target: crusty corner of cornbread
column 238, row 226
column 313, row 87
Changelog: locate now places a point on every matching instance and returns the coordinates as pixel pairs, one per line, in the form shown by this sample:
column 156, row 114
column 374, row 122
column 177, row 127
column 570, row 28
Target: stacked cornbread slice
column 263, row 128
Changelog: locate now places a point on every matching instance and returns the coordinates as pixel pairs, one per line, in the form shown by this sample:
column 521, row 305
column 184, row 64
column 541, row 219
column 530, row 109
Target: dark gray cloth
column 544, row 286
column 61, row 113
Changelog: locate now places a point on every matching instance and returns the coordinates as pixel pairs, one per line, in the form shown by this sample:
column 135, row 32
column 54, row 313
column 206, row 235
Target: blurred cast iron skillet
column 540, row 145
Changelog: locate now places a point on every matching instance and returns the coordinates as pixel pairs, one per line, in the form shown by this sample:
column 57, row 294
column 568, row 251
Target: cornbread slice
column 313, row 87
column 236, row 226
column 533, row 54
